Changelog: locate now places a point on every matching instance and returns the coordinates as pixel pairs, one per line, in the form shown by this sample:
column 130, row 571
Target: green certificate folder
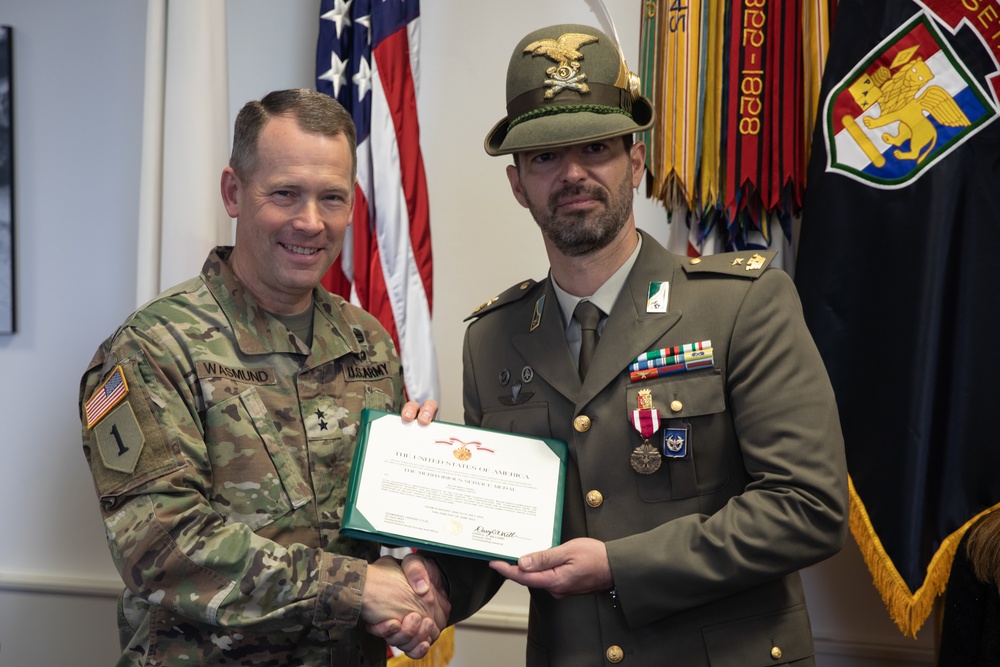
column 454, row 489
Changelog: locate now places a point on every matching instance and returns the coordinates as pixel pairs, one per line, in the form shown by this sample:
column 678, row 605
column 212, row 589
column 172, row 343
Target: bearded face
column 582, row 217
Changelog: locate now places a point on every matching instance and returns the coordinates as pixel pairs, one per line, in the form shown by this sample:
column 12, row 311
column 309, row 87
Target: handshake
column 405, row 603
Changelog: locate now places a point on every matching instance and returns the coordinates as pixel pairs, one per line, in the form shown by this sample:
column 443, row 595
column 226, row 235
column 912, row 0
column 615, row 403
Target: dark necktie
column 588, row 315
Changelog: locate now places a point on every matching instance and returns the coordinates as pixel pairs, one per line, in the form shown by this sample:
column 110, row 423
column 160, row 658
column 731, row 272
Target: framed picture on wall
column 6, row 184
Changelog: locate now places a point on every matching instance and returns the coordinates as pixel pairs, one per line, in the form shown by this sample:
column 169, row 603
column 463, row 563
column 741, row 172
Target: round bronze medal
column 646, row 459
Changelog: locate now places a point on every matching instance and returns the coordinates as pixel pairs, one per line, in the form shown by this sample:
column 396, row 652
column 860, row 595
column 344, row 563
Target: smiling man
column 696, row 486
column 293, row 202
column 219, row 422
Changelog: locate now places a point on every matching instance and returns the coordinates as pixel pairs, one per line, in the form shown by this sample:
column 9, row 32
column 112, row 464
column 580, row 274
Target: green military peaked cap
column 567, row 84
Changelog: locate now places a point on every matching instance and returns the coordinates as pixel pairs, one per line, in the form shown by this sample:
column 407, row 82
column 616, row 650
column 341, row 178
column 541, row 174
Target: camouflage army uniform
column 222, row 472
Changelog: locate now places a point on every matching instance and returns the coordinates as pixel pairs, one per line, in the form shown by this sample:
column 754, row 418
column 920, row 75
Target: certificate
column 454, row 489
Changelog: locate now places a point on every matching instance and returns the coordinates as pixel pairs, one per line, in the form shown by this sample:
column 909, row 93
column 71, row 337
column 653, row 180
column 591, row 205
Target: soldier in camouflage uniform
column 220, row 420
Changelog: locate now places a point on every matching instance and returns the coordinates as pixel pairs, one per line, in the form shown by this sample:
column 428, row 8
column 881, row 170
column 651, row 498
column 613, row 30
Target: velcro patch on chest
column 257, row 376
column 366, row 371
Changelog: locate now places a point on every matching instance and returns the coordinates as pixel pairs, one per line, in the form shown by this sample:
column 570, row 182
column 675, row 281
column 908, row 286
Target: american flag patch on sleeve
column 107, row 396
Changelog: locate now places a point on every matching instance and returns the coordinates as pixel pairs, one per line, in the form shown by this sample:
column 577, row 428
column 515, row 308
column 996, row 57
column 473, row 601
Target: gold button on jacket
column 595, row 498
column 615, row 654
column 582, row 424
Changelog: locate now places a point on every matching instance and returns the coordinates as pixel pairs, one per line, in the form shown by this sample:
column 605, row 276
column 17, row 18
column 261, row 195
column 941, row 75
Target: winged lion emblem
column 898, row 101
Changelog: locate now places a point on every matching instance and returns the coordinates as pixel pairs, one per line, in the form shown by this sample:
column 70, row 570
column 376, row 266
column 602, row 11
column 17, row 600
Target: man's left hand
column 577, row 567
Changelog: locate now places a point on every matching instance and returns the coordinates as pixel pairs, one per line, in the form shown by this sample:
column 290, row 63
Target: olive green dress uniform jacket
column 704, row 552
column 222, row 474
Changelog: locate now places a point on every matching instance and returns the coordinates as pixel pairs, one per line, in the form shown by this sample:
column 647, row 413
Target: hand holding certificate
column 454, row 489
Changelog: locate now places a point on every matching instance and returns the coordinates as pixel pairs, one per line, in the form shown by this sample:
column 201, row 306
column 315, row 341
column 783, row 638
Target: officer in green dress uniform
column 706, row 462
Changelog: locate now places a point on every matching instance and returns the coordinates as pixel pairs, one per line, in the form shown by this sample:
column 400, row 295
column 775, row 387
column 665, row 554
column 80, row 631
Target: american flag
column 106, row 397
column 366, row 58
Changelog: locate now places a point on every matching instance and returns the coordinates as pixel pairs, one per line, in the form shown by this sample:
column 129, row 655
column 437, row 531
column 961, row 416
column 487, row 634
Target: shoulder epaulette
column 746, row 264
column 508, row 296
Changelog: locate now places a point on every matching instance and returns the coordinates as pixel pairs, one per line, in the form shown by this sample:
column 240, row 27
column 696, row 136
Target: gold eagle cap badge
column 565, row 52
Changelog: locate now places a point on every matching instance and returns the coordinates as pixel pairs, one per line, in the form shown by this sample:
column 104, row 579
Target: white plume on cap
column 626, row 78
column 607, row 23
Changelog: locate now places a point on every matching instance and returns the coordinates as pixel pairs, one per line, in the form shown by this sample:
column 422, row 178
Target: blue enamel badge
column 675, row 441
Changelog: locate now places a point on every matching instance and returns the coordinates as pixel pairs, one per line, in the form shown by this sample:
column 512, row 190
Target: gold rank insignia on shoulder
column 510, row 295
column 486, row 304
column 754, row 263
column 748, row 264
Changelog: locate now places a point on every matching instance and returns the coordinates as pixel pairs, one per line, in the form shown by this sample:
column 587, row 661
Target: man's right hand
column 423, row 579
column 409, row 617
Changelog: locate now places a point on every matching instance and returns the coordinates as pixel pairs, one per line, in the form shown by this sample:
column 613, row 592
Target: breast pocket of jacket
column 690, row 407
column 255, row 478
column 528, row 419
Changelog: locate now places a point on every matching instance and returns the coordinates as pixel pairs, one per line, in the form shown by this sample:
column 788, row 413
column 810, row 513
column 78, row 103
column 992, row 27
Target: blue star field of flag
column 350, row 30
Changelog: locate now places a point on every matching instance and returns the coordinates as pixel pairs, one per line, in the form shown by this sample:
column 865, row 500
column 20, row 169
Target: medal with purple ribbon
column 645, row 458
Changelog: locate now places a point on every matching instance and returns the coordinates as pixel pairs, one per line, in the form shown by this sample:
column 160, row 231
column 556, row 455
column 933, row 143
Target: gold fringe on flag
column 907, row 609
column 441, row 653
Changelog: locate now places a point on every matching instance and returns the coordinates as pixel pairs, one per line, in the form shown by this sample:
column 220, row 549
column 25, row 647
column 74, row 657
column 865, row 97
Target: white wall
column 78, row 109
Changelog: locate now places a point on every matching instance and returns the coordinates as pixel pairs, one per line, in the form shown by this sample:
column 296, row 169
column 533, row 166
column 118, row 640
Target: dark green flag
column 898, row 273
